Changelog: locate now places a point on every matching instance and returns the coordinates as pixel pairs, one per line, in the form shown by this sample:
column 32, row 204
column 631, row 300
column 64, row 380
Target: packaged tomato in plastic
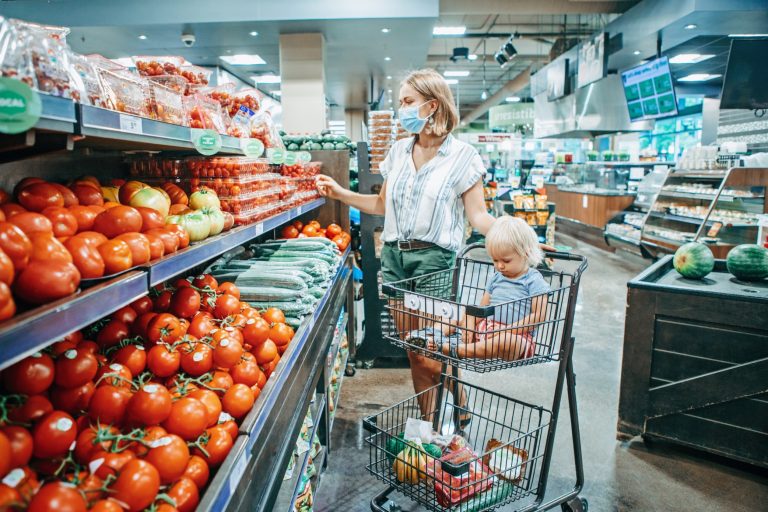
column 221, row 93
column 264, row 129
column 158, row 65
column 249, row 98
column 15, row 60
column 168, row 99
column 204, row 113
column 127, row 92
column 84, row 72
column 195, row 75
column 49, row 55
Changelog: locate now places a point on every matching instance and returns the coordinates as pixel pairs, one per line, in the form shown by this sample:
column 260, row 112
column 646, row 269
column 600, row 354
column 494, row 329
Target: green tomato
column 204, row 198
column 216, row 219
column 197, row 225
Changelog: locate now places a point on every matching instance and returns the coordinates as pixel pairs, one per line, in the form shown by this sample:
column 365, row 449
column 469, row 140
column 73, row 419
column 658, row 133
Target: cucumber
column 285, row 253
column 292, row 308
column 293, row 321
column 267, row 293
column 257, row 278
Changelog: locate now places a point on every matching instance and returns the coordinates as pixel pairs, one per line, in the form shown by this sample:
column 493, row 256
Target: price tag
column 276, row 155
column 584, row 201
column 304, row 156
column 206, row 142
column 290, row 157
column 20, row 106
column 237, row 473
column 259, row 228
column 130, row 124
column 299, row 210
column 252, row 147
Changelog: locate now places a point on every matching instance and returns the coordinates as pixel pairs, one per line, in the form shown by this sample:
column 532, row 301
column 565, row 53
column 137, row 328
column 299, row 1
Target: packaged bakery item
column 505, row 461
column 541, row 217
column 541, row 201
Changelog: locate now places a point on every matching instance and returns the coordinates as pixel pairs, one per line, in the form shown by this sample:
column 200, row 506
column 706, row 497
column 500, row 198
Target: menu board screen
column 649, row 90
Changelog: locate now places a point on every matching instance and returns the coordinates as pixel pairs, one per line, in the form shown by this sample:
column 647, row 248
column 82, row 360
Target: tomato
column 134, row 357
column 220, row 382
column 108, row 463
column 87, row 194
column 33, row 408
column 150, row 405
column 47, row 248
column 30, row 376
column 281, row 334
column 188, row 419
column 298, row 225
column 108, row 404
column 180, row 233
column 30, row 223
column 262, row 379
column 269, row 368
column 196, row 358
column 229, row 289
column 238, row 400
column 309, row 231
column 163, row 301
column 113, row 333
column 63, row 221
column 185, row 494
column 9, row 496
column 53, row 435
column 150, row 218
column 93, row 238
column 265, row 352
column 170, row 455
column 179, row 209
column 333, row 230
column 164, row 327
column 245, row 372
column 289, row 232
column 201, row 325
column 73, row 400
column 59, row 497
column 185, row 302
column 91, row 486
column 170, row 240
column 137, row 485
column 227, row 353
column 62, row 346
column 38, row 196
column 218, row 446
column 273, row 316
column 15, row 244
column 226, row 305
column 197, row 470
column 7, row 304
column 204, row 280
column 45, row 281
column 156, row 246
column 142, row 305
column 74, row 368
column 117, row 256
column 256, row 331
column 20, row 446
column 114, row 374
column 86, row 445
column 163, row 361
column 5, row 455
column 139, row 246
column 107, row 505
column 340, row 243
column 211, row 402
column 85, row 257
column 177, row 195
column 84, row 216
column 230, row 427
column 118, row 220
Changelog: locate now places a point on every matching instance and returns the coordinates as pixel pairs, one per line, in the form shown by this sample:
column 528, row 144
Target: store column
column 354, row 120
column 302, row 72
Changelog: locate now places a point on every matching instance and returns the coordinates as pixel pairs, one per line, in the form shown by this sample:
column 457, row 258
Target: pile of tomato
column 136, row 411
column 313, row 228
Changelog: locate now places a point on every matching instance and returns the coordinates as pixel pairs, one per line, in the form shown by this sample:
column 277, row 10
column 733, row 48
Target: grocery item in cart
column 505, row 461
column 451, row 489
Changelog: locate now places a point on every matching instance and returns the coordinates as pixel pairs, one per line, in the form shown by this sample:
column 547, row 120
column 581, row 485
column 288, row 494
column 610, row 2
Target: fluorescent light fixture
column 124, row 61
column 266, row 79
column 472, row 56
column 142, row 37
column 387, row 59
column 636, row 52
column 456, row 73
column 253, row 33
column 449, row 31
column 484, row 95
column 747, row 35
column 451, row 81
column 242, row 59
column 689, row 58
column 698, row 77
column 389, row 77
column 386, row 30
column 513, row 99
column 691, row 26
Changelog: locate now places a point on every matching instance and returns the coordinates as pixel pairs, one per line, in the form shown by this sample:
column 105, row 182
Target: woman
column 430, row 181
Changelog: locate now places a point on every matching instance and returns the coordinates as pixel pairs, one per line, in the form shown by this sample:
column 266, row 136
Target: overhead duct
column 511, row 87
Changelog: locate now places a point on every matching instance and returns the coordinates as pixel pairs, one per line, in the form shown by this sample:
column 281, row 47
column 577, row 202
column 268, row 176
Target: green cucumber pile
column 324, row 140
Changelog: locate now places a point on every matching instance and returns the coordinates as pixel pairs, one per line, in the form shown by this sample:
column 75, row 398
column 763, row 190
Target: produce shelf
column 33, row 330
column 332, row 417
column 251, row 479
column 335, row 345
column 181, row 261
column 58, row 114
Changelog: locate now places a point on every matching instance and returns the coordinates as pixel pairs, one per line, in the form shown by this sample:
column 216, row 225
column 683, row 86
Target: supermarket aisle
column 620, row 477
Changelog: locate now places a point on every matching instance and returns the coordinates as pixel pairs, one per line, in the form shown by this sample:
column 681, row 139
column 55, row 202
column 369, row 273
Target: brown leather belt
column 411, row 245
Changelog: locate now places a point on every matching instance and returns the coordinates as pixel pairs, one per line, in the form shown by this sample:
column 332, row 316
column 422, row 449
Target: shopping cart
column 438, row 316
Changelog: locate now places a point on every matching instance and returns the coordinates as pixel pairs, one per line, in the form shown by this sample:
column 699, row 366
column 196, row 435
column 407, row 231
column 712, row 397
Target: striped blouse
column 427, row 204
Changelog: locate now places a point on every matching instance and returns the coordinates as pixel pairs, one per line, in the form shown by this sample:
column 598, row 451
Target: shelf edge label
column 20, row 106
column 131, row 124
column 252, row 147
column 206, row 142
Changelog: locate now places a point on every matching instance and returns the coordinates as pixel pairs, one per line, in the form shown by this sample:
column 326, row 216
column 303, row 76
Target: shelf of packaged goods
column 707, row 197
column 621, row 238
column 192, row 256
column 275, row 421
column 319, row 463
column 58, row 114
column 52, row 132
column 289, row 490
column 697, row 220
column 698, row 174
column 660, row 241
column 621, row 163
column 337, row 397
column 341, row 328
column 30, row 331
column 109, row 129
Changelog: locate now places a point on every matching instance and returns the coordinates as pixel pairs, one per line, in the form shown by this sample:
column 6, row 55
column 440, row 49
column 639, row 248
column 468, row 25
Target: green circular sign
column 20, row 106
column 276, row 155
column 252, row 147
column 290, row 157
column 207, row 142
column 305, row 156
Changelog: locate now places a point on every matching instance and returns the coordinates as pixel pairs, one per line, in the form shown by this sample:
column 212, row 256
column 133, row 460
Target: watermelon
column 693, row 260
column 748, row 262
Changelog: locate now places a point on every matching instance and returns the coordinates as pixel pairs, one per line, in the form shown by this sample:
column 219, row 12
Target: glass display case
column 722, row 208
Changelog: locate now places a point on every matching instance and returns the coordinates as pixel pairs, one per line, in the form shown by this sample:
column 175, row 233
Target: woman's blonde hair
column 512, row 233
column 432, row 86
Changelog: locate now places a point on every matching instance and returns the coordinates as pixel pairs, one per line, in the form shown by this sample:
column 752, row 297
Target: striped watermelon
column 748, row 262
column 693, row 260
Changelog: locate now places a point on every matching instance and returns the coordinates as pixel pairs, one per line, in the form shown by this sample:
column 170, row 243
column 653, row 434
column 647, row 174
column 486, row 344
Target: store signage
column 20, row 106
column 557, row 79
column 290, row 158
column 252, row 147
column 276, row 155
column 510, row 116
column 206, row 142
column 305, row 156
column 592, row 60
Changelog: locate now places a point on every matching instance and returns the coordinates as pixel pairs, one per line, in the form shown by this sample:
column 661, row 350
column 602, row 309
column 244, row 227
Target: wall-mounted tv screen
column 557, row 79
column 592, row 60
column 746, row 75
column 649, row 90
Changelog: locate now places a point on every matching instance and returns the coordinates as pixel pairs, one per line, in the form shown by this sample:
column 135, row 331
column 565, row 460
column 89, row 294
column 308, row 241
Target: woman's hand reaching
column 328, row 187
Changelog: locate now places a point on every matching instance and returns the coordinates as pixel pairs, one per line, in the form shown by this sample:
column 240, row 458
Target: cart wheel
column 350, row 371
column 577, row 504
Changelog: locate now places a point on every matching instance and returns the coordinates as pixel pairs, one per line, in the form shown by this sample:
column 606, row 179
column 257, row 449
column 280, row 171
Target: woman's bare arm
column 373, row 204
column 474, row 205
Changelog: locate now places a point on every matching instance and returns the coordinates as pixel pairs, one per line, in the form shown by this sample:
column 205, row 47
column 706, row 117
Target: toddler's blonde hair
column 513, row 233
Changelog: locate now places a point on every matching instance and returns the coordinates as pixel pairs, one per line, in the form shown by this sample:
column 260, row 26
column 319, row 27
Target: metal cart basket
column 438, row 315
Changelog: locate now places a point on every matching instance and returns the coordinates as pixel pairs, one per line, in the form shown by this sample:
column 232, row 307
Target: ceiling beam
column 523, row 7
column 511, row 87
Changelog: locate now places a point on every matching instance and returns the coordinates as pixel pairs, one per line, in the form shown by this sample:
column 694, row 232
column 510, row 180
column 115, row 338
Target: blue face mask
column 410, row 120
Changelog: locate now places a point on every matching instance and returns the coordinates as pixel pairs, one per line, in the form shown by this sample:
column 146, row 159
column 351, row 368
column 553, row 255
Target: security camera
column 188, row 39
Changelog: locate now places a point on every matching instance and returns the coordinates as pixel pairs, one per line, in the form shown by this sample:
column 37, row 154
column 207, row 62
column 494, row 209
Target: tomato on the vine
column 73, row 400
column 205, row 280
column 238, row 400
column 134, row 357
column 5, row 454
column 226, row 305
column 256, row 331
column 273, row 316
column 110, row 463
column 57, row 496
column 74, row 368
column 170, row 455
column 20, row 444
column 228, row 289
column 185, row 302
column 227, row 353
column 142, row 305
column 265, row 352
column 245, row 372
column 163, row 360
column 108, row 404
column 185, row 494
column 150, row 405
column 8, row 497
column 220, row 382
column 281, row 334
column 30, row 376
column 211, row 402
column 53, row 435
column 196, row 358
column 188, row 419
column 106, row 505
column 201, row 325
column 164, row 328
column 197, row 470
column 230, row 427
column 33, row 408
column 114, row 374
column 137, row 485
column 140, row 325
column 113, row 333
column 218, row 446
column 86, row 443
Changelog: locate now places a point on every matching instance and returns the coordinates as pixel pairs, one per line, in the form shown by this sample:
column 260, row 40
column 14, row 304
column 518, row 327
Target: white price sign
column 259, row 228
column 584, row 201
column 130, row 124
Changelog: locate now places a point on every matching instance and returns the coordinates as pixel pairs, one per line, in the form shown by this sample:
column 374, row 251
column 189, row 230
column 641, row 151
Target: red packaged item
column 127, row 92
column 86, row 73
column 44, row 58
column 204, row 113
column 152, row 167
column 450, row 489
column 222, row 94
column 158, row 65
column 287, row 189
column 263, row 128
column 167, row 99
column 195, row 75
column 225, row 167
column 249, row 98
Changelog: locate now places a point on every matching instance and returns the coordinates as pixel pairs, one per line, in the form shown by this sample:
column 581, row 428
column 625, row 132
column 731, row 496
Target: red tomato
column 163, row 301
column 164, row 327
column 196, row 358
column 20, row 444
column 230, row 427
column 113, row 333
column 7, row 304
column 33, row 408
column 87, row 194
column 118, row 220
column 156, row 246
column 197, row 470
column 227, row 353
column 73, row 400
column 74, row 368
column 220, row 382
column 290, row 232
column 30, row 376
column 142, row 305
column 265, row 352
column 47, row 248
column 45, row 281
column 15, row 244
column 211, row 402
column 273, row 316
column 63, row 221
column 226, row 305
column 201, row 325
column 218, row 446
column 204, row 280
column 150, row 405
column 107, row 505
column 185, row 494
column 185, row 302
column 134, row 357
column 93, row 238
column 229, row 289
column 38, row 196
column 59, row 497
column 281, row 334
column 170, row 455
column 151, row 218
column 84, row 215
column 246, row 372
column 114, row 374
column 139, row 246
column 180, row 233
column 238, row 401
column 117, row 256
column 126, row 314
column 108, row 405
column 85, row 257
column 110, row 463
column 53, row 435
column 188, row 419
column 137, row 485
column 8, row 497
column 170, row 240
column 163, row 361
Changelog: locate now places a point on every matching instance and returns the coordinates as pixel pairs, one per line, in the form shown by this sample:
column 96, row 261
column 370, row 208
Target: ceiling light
column 636, row 52
column 484, row 95
column 513, row 99
column 389, row 91
column 242, row 59
column 387, row 59
column 386, row 30
column 691, row 26
column 253, row 33
column 501, row 58
column 142, row 37
column 456, row 73
column 698, row 77
column 509, row 49
column 689, row 58
column 747, row 35
column 389, row 77
column 449, row 31
column 266, row 79
column 472, row 56
column 451, row 81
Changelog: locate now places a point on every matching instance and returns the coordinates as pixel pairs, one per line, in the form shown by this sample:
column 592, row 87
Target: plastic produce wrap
column 264, row 129
column 127, row 92
column 195, row 75
column 49, row 58
column 249, row 98
column 226, row 167
column 15, row 61
column 204, row 113
column 83, row 69
column 158, row 65
column 167, row 99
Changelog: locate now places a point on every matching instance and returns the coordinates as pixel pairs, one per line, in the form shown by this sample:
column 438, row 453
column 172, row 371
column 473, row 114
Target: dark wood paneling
column 705, row 340
column 595, row 212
